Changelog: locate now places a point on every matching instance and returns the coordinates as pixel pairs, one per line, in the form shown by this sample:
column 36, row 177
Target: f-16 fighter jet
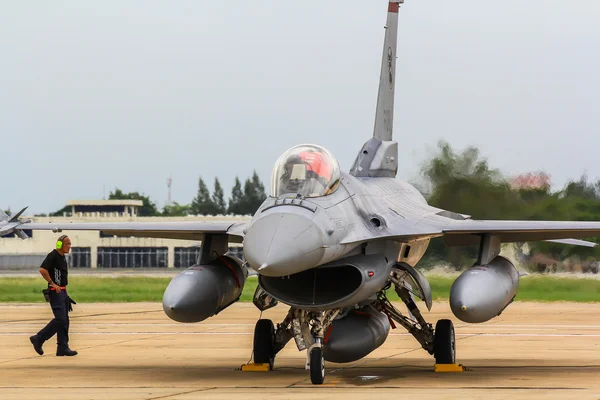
column 328, row 244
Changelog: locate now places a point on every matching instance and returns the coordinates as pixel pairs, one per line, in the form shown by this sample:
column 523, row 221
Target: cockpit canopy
column 308, row 170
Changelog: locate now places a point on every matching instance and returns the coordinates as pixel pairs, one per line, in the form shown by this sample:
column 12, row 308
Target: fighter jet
column 328, row 244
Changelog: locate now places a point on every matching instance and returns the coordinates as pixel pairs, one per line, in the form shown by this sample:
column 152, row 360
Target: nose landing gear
column 316, row 363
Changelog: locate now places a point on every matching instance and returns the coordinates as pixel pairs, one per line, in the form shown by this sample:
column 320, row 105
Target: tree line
column 464, row 182
column 243, row 200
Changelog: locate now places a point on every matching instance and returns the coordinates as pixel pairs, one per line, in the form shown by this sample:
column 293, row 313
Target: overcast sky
column 123, row 94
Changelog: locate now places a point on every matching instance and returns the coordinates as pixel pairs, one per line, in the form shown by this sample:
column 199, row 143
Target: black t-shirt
column 56, row 265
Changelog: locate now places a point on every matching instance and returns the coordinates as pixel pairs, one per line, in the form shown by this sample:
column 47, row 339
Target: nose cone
column 283, row 243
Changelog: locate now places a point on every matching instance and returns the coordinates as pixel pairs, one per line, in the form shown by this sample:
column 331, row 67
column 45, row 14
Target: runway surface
column 133, row 351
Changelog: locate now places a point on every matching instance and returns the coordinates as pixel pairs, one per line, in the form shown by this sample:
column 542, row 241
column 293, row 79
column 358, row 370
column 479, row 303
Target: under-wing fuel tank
column 355, row 335
column 483, row 291
column 202, row 291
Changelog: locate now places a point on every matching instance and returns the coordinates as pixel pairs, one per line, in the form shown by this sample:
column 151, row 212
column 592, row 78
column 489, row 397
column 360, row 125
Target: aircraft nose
column 283, row 243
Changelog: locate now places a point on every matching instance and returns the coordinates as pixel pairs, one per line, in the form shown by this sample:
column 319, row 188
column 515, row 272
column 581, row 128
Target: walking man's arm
column 46, row 275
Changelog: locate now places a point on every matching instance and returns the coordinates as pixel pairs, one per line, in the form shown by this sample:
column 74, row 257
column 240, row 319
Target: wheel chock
column 256, row 367
column 450, row 368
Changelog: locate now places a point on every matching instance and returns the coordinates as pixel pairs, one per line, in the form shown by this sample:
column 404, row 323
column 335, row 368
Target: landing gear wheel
column 317, row 366
column 444, row 344
column 264, row 340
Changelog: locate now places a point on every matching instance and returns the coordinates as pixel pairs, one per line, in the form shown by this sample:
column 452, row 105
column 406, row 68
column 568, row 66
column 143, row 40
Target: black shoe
column 37, row 344
column 66, row 352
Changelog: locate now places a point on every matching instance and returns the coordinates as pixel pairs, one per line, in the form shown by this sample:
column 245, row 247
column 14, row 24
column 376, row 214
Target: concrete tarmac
column 133, row 351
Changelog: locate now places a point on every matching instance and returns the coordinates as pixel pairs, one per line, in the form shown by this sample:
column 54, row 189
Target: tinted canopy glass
column 308, row 170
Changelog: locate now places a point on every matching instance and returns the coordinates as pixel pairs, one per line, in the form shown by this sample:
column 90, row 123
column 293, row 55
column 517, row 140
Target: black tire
column 444, row 346
column 317, row 366
column 264, row 340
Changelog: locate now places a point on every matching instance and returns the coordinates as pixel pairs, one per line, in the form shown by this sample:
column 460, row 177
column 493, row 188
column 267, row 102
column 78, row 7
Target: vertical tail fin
column 15, row 217
column 379, row 155
column 384, row 116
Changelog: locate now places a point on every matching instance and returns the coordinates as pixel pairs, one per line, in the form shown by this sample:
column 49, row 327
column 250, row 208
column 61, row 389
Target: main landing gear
column 444, row 342
column 308, row 328
column 409, row 283
column 264, row 342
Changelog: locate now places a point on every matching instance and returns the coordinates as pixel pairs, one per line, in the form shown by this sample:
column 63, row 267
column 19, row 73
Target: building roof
column 136, row 203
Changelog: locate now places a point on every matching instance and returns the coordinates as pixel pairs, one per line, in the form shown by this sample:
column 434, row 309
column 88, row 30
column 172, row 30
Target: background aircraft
column 329, row 244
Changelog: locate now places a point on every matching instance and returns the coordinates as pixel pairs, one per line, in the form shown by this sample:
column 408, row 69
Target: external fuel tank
column 483, row 291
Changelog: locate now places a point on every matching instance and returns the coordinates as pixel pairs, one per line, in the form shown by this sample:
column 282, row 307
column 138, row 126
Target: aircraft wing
column 188, row 230
column 468, row 231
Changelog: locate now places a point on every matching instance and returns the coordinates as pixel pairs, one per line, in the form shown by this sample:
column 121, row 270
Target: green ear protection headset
column 59, row 242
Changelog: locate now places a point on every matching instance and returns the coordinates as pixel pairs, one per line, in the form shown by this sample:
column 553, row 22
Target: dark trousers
column 60, row 324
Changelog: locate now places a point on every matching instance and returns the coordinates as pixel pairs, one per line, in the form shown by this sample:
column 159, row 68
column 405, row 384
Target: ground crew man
column 54, row 271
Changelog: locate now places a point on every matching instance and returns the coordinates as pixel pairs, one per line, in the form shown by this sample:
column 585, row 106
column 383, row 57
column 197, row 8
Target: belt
column 61, row 288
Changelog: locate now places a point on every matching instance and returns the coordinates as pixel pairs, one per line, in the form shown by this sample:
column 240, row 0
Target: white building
column 93, row 249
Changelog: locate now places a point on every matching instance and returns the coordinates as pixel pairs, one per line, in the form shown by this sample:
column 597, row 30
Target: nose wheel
column 317, row 364
column 444, row 347
column 264, row 342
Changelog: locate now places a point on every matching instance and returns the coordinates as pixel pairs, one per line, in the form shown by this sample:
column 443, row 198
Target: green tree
column 176, row 210
column 254, row 194
column 220, row 208
column 464, row 183
column 236, row 199
column 148, row 208
column 60, row 213
column 582, row 189
column 578, row 201
column 202, row 203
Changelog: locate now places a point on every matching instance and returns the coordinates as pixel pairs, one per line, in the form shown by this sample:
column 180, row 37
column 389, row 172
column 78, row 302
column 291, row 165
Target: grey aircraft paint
column 329, row 247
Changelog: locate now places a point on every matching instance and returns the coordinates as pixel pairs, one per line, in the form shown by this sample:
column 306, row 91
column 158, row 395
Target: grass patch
column 98, row 289
column 134, row 289
column 87, row 289
column 546, row 288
